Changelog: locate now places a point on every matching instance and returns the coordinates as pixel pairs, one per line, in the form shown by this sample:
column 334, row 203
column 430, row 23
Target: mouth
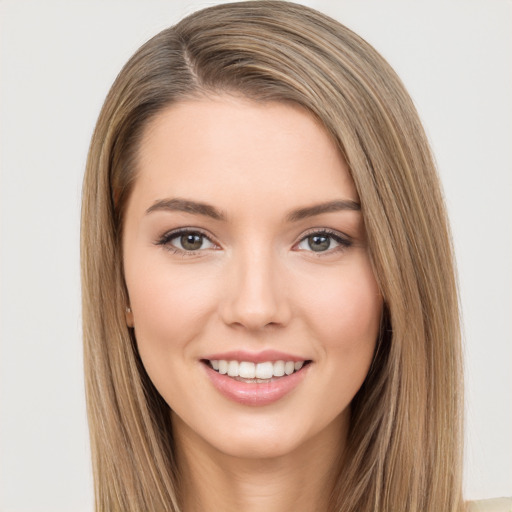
column 255, row 383
column 255, row 373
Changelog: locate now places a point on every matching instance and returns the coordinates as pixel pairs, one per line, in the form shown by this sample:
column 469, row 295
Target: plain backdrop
column 58, row 60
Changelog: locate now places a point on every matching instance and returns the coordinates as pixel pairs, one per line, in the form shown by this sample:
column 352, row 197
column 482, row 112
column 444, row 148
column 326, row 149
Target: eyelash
column 343, row 241
column 166, row 238
column 164, row 241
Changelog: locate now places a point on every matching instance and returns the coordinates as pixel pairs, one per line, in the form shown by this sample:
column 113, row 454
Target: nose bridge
column 255, row 295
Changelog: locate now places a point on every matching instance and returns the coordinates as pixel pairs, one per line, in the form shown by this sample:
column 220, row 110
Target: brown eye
column 324, row 241
column 191, row 241
column 186, row 241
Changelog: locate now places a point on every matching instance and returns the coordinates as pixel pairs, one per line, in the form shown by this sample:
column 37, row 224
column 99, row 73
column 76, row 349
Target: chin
column 265, row 436
column 255, row 445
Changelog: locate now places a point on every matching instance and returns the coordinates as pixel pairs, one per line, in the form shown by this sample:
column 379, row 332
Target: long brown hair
column 405, row 437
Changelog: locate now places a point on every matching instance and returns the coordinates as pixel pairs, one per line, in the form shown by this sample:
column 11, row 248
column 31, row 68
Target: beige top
column 494, row 505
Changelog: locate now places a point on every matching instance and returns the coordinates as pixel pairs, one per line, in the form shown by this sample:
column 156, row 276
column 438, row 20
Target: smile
column 258, row 373
column 255, row 383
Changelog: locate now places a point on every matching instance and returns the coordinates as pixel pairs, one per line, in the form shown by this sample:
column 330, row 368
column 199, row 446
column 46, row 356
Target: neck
column 301, row 481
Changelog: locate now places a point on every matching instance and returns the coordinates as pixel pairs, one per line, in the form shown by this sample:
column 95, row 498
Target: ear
column 129, row 317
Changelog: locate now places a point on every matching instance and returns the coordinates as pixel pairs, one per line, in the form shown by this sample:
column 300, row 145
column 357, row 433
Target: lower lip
column 256, row 394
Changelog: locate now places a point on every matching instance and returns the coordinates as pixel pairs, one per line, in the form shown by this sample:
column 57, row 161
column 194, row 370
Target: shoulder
column 494, row 505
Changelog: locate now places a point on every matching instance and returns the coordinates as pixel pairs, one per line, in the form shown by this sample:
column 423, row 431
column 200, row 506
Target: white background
column 58, row 60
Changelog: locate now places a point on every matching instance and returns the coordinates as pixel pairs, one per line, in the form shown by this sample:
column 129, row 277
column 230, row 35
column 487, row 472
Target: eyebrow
column 198, row 208
column 331, row 206
column 185, row 205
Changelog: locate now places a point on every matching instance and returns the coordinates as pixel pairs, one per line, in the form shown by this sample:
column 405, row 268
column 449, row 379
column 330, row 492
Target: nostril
column 254, row 297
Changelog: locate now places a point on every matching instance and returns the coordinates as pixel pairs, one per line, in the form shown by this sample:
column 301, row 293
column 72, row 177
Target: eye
column 323, row 241
column 186, row 241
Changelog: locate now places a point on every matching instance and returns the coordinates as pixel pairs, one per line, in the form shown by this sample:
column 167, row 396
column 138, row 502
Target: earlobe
column 129, row 317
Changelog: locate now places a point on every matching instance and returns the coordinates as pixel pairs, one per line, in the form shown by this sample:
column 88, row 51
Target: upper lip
column 255, row 357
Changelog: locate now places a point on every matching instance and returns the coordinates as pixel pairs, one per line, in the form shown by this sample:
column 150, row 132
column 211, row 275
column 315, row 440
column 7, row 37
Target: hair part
column 404, row 447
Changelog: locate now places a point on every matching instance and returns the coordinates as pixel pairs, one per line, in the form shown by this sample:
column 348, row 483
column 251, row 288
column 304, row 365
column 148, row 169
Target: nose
column 255, row 292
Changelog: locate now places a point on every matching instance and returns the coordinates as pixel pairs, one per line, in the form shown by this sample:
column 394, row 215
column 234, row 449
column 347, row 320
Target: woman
column 270, row 308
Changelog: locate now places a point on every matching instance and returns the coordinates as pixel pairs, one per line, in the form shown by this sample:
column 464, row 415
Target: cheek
column 344, row 311
column 341, row 309
column 170, row 306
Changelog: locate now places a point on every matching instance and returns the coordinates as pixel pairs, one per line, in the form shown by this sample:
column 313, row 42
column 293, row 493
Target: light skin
column 278, row 261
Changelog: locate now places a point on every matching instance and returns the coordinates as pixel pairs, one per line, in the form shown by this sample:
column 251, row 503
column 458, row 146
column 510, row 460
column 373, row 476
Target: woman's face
column 245, row 252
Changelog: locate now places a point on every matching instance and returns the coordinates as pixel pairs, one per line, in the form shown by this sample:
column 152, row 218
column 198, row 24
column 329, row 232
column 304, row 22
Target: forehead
column 233, row 150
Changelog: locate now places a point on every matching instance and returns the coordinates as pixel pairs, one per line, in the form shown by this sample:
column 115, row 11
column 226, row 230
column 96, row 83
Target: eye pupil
column 191, row 241
column 319, row 243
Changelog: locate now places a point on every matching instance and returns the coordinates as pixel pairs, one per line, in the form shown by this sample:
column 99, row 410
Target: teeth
column 264, row 370
column 279, row 368
column 233, row 368
column 223, row 367
column 248, row 370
